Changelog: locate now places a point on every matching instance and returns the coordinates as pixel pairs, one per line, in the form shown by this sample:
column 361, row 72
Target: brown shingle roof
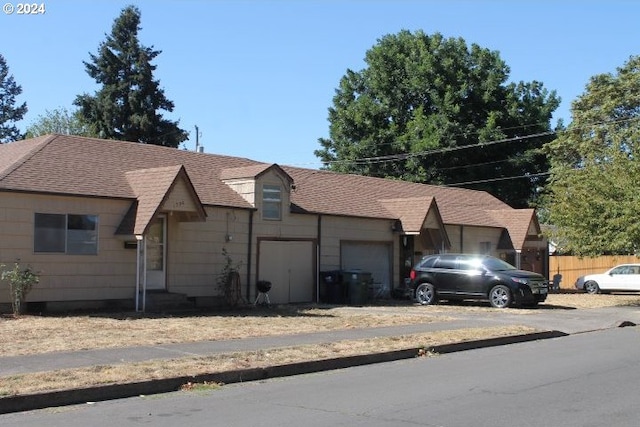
column 252, row 171
column 151, row 187
column 342, row 194
column 93, row 167
column 75, row 165
column 14, row 155
column 517, row 222
column 411, row 212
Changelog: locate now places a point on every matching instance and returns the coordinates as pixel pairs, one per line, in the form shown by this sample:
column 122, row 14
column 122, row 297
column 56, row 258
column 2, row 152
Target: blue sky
column 257, row 77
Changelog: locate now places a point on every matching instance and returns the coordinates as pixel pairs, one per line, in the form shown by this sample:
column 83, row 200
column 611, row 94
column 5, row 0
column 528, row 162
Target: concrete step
column 160, row 301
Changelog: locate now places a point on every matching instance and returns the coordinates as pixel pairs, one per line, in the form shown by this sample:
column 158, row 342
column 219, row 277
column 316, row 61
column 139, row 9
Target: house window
column 70, row 234
column 271, row 202
column 485, row 248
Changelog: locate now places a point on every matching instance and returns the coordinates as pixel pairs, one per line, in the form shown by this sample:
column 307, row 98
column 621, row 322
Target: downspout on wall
column 249, row 253
column 318, row 256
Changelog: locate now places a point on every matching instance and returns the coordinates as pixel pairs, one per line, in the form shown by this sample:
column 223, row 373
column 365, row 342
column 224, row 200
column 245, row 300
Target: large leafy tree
column 592, row 198
column 129, row 104
column 422, row 108
column 10, row 113
column 60, row 121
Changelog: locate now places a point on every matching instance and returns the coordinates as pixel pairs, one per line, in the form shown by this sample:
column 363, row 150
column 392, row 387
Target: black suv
column 483, row 277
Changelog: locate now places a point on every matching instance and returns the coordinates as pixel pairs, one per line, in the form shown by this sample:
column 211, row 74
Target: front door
column 156, row 254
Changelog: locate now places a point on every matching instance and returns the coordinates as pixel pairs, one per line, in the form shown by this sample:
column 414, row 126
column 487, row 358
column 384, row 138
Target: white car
column 625, row 277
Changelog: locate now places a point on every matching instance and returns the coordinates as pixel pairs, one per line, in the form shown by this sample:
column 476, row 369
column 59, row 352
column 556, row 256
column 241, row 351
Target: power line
column 506, row 178
column 405, row 156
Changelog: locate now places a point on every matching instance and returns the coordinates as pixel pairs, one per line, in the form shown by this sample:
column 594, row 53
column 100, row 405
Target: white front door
column 156, row 254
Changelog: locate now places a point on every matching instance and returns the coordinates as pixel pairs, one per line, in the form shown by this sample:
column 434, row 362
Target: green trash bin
column 357, row 283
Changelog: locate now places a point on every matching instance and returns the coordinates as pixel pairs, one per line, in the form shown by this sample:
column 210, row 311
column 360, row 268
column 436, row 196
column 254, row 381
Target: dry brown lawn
column 40, row 334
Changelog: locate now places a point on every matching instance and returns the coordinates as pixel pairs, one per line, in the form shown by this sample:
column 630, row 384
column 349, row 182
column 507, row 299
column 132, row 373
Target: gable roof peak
column 252, row 171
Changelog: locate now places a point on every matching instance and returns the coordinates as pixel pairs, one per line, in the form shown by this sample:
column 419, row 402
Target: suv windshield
column 495, row 264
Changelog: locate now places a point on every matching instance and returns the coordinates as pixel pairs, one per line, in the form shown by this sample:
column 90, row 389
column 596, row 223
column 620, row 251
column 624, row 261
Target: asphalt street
column 586, row 379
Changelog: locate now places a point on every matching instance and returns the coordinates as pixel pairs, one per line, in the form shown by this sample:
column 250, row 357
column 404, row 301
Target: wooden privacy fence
column 571, row 267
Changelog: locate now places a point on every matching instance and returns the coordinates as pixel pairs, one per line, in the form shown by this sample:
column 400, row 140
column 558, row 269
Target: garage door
column 374, row 258
column 289, row 266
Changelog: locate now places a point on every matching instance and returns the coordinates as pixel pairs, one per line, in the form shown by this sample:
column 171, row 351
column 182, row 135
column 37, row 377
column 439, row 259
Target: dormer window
column 272, row 202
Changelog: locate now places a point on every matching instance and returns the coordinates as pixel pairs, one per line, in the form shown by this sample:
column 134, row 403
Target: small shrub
column 21, row 280
column 229, row 280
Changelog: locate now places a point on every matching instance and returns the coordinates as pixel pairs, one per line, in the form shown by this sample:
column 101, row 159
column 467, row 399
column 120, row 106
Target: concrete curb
column 117, row 391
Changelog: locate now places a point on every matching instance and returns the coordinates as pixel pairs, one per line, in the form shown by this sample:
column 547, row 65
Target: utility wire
column 506, row 178
column 405, row 156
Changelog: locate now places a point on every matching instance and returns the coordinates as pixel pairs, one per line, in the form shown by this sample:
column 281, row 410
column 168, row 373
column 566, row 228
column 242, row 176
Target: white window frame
column 272, row 202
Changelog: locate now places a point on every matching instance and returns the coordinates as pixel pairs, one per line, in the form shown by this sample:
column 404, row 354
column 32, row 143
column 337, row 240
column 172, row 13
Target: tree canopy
column 10, row 113
column 592, row 197
column 128, row 105
column 435, row 110
column 60, row 121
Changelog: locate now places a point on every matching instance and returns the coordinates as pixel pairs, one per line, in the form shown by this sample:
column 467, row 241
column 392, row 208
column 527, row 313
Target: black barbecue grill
column 263, row 287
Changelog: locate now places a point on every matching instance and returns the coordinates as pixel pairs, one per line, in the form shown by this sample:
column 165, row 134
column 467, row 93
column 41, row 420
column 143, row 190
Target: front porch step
column 160, row 301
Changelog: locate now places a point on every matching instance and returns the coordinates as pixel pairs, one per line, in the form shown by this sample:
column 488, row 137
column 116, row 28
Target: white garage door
column 288, row 265
column 374, row 258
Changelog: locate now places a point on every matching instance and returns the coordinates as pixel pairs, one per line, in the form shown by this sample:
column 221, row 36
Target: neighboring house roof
column 72, row 165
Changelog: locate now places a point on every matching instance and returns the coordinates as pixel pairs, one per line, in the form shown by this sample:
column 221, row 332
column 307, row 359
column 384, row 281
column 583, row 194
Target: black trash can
column 331, row 287
column 357, row 283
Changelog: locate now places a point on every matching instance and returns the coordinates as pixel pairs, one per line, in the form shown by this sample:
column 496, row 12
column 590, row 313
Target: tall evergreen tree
column 9, row 112
column 128, row 104
column 421, row 99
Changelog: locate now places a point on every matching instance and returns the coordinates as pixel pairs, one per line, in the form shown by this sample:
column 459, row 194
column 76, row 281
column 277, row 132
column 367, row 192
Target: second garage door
column 374, row 258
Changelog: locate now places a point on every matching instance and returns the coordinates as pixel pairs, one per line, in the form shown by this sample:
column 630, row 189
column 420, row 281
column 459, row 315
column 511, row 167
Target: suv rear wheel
column 500, row 296
column 426, row 294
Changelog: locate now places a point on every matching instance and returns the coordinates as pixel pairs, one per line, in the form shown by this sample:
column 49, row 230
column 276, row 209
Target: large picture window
column 271, row 202
column 66, row 233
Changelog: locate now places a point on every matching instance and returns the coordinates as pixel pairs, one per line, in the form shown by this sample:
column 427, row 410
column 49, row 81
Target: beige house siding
column 336, row 230
column 194, row 250
column 467, row 239
column 179, row 199
column 244, row 187
column 431, row 221
column 109, row 274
